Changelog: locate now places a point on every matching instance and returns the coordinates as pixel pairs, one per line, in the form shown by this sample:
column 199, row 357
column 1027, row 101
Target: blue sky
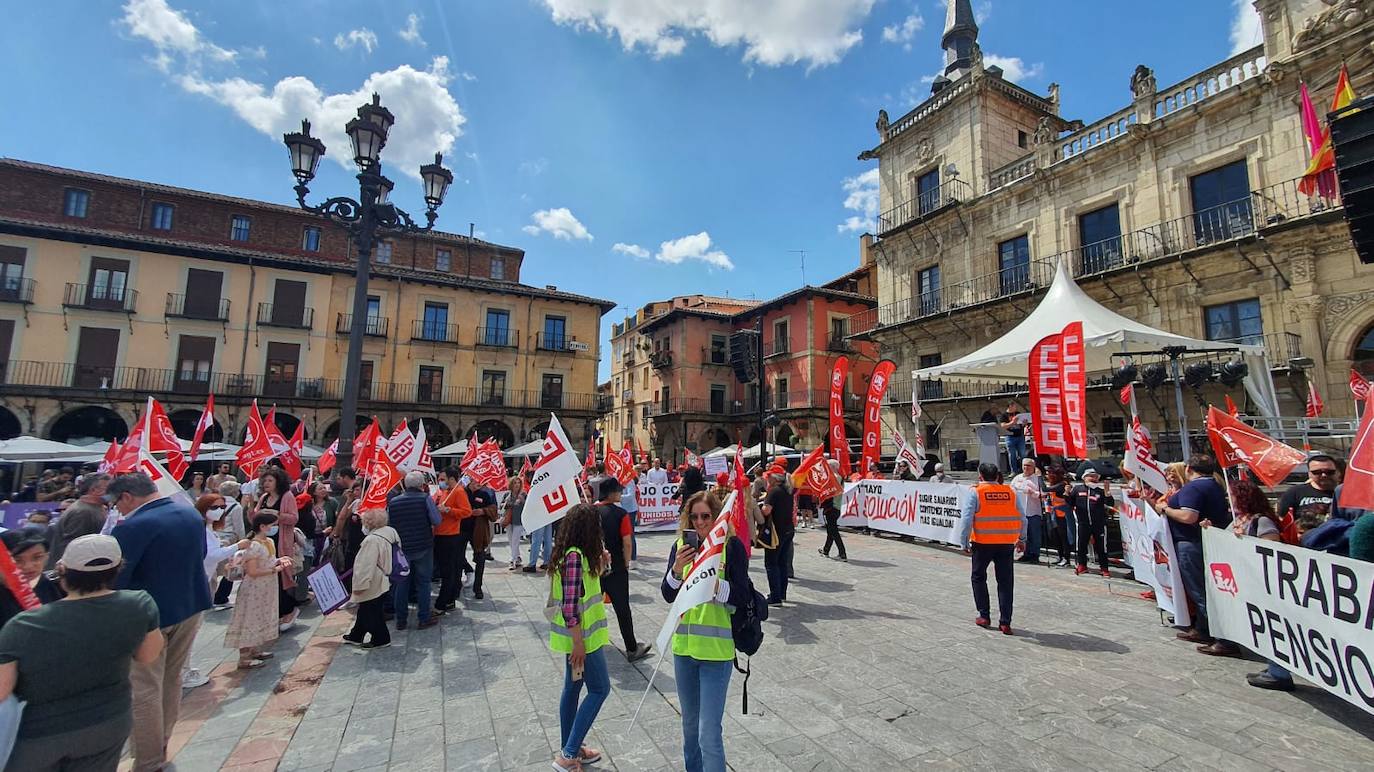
column 635, row 149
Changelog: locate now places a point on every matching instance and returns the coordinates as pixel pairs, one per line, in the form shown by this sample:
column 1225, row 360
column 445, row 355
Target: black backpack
column 746, row 627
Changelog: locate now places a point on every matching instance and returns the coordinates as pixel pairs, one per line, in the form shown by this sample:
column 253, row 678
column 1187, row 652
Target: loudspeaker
column 1352, row 137
column 743, row 350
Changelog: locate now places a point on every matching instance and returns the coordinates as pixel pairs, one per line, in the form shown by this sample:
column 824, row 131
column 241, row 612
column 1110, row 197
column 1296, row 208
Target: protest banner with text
column 926, row 510
column 657, row 509
column 1148, row 547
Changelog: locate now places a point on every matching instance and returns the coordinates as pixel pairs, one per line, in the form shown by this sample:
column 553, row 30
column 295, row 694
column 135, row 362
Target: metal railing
column 777, row 347
column 101, row 297
column 433, row 332
column 16, row 290
column 661, row 359
column 212, row 309
column 838, row 343
column 1006, row 283
column 1279, row 346
column 499, row 337
column 554, row 342
column 277, row 315
column 373, row 326
column 925, row 204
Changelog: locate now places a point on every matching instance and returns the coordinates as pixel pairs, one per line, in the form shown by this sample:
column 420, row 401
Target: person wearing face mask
column 232, row 527
column 254, row 624
column 452, row 501
column 211, row 507
column 372, row 581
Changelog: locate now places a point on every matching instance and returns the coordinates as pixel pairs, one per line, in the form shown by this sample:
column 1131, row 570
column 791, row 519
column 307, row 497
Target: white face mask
column 214, row 513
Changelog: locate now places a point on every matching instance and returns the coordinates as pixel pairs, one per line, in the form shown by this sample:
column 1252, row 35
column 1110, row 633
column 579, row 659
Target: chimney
column 866, row 250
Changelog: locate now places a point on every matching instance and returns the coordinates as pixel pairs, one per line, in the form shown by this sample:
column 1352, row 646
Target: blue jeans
column 1193, row 572
column 1034, row 532
column 574, row 720
column 541, row 539
column 421, row 571
column 634, row 533
column 1016, row 450
column 701, row 691
column 1278, row 671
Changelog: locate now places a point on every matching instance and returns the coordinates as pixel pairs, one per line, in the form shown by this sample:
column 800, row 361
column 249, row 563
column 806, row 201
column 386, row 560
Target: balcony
column 605, row 403
column 429, row 331
column 558, row 342
column 628, row 357
column 627, row 396
column 990, row 287
column 777, row 347
column 839, row 343
column 16, row 291
column 373, row 326
column 661, row 359
column 925, row 204
column 715, row 357
column 498, row 337
column 100, row 297
column 1279, row 346
column 290, row 317
column 208, row 309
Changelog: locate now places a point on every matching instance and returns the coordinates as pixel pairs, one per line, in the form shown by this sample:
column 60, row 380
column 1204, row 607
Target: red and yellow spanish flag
column 1324, row 159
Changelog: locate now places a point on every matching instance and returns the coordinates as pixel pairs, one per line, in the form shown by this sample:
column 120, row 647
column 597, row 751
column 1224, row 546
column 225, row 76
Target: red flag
column 382, row 476
column 1127, row 393
column 164, row 439
column 281, row 447
column 643, row 456
column 15, row 583
column 365, row 446
column 291, row 460
column 111, row 459
column 207, row 419
column 739, row 513
column 1231, row 408
column 256, row 449
column 873, row 412
column 1047, row 397
column 618, row 468
column 839, row 444
column 808, row 461
column 692, row 459
column 1236, row 442
column 1357, row 491
column 470, row 452
column 488, row 466
column 330, row 457
column 1073, row 383
column 1358, row 385
column 815, row 475
column 591, row 456
column 1315, row 406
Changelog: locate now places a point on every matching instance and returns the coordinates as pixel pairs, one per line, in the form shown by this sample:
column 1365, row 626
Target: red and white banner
column 400, row 445
column 839, row 444
column 926, row 510
column 912, row 459
column 553, row 486
column 1235, row 442
column 704, row 576
column 1315, row 405
column 1357, row 491
column 617, row 467
column 419, row 459
column 658, row 507
column 1140, row 458
column 691, row 458
column 382, row 476
column 256, row 449
column 1073, row 384
column 207, row 419
column 1047, row 398
column 1148, row 548
column 873, row 413
column 488, row 466
column 1359, row 387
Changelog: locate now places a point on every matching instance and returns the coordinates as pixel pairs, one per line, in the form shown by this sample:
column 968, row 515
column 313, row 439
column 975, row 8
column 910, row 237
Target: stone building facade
column 1181, row 210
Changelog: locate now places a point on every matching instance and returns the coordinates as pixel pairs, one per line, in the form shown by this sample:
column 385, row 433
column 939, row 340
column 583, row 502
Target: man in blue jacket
column 163, row 542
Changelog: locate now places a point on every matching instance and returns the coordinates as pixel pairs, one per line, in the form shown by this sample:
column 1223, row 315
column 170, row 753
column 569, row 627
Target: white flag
column 553, row 484
column 419, row 459
column 915, row 407
column 166, row 485
column 400, row 446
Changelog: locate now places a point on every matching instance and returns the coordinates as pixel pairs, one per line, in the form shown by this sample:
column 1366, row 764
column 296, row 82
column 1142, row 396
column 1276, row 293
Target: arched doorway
column 496, row 429
column 185, row 421
column 437, row 435
column 1364, row 354
column 785, row 435
column 714, row 437
column 9, row 425
column 539, row 432
column 89, row 424
column 287, row 423
column 331, row 431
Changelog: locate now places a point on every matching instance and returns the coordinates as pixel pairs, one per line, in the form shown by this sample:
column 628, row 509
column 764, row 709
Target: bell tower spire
column 960, row 38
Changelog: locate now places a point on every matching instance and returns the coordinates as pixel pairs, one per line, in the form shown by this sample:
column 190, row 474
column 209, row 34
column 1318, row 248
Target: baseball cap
column 1087, row 471
column 92, row 553
column 939, row 467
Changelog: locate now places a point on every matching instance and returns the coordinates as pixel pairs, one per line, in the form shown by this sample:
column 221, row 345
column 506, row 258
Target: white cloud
column 364, row 38
column 772, row 32
column 467, row 76
column 861, row 195
column 559, row 223
column 633, row 250
column 1245, row 27
column 410, row 33
column 1013, row 69
column 904, row 32
column 171, row 33
column 695, row 247
column 982, row 12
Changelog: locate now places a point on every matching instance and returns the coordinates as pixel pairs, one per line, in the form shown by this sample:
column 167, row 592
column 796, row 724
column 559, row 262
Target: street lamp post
column 366, row 217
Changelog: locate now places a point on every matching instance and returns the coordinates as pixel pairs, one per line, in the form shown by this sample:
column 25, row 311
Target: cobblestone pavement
column 874, row 664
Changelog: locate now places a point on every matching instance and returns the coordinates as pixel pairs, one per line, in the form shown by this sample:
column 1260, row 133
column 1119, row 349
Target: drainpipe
column 252, row 286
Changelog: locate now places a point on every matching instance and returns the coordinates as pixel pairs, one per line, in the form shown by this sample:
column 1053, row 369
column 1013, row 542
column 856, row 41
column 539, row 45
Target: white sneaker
column 192, row 677
column 223, row 606
column 285, row 626
column 634, row 565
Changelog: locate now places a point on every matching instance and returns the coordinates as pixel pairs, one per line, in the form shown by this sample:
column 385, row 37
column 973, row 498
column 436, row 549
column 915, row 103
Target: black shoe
column 401, row 625
column 639, row 653
column 428, row 623
column 1262, row 680
column 438, row 612
column 528, row 570
column 376, row 645
column 351, row 642
column 844, row 559
column 478, row 594
column 823, row 553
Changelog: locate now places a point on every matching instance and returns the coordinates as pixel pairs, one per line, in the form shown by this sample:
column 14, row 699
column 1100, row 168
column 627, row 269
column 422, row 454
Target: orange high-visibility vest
column 996, row 519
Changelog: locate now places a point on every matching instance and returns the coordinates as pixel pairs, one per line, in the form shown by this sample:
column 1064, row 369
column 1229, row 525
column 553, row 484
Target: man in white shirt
column 657, row 474
column 1028, row 486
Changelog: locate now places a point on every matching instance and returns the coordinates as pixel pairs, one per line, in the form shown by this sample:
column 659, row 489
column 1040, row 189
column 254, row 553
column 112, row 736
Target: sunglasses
column 1322, row 472
column 699, row 516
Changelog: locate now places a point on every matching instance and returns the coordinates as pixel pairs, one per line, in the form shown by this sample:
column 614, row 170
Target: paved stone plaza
column 873, row 665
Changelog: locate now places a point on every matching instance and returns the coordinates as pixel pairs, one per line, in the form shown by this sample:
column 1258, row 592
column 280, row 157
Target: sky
column 635, row 149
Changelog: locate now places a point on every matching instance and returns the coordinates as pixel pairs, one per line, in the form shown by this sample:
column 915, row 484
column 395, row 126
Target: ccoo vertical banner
column 839, row 444
column 1073, row 386
column 873, row 413
column 1059, row 393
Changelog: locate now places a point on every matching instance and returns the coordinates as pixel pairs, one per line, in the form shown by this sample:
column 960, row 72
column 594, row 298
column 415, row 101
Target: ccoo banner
column 925, row 510
column 1311, row 612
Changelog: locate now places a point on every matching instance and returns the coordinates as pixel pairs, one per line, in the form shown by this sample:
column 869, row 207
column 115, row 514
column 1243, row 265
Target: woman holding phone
column 703, row 646
column 579, row 630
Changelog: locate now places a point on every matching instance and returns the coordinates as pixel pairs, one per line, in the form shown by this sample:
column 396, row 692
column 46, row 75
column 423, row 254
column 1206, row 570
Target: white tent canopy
column 455, row 449
column 1105, row 334
column 771, row 448
column 36, row 449
column 531, row 448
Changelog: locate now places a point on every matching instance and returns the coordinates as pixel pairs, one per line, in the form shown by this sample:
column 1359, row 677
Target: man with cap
column 939, row 476
column 616, row 531
column 991, row 529
column 1089, row 501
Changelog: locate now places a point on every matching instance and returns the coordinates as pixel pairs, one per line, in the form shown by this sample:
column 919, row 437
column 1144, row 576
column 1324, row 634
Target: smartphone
column 692, row 539
column 577, row 673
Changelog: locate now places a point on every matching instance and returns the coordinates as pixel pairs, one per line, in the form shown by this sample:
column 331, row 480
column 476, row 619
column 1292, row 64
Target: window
column 162, row 217
column 434, row 325
column 374, row 324
column 108, row 281
column 74, row 202
column 718, row 346
column 1237, row 322
column 928, row 192
column 780, row 387
column 665, row 396
column 1364, row 354
column 12, row 272
column 1099, row 238
column 644, row 417
column 717, row 399
column 431, row 385
column 203, row 290
column 97, row 349
column 928, row 290
column 282, row 361
column 1221, row 203
column 310, row 239
column 1013, row 264
column 493, row 387
column 498, row 268
column 382, row 252
column 839, row 330
column 551, row 392
column 288, row 304
column 194, row 356
column 781, row 337
column 365, row 380
column 931, row 389
column 443, row 259
column 239, row 227
column 1022, row 141
column 556, row 333
column 497, row 331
